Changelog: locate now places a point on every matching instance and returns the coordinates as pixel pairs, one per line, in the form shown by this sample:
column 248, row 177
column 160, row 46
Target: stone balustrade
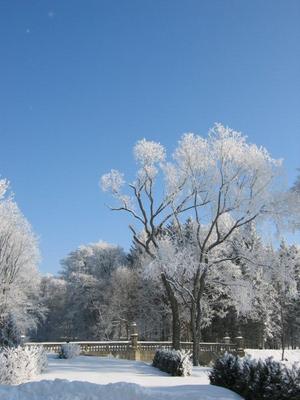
column 134, row 349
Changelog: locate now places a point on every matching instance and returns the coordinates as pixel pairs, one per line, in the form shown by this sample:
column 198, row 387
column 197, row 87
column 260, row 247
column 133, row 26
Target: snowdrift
column 75, row 390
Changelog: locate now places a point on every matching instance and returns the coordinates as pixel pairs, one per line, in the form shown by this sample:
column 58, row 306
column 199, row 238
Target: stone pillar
column 226, row 338
column 134, row 352
column 239, row 341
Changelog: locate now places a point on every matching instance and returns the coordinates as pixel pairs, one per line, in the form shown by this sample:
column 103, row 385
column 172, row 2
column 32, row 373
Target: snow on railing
column 134, row 349
column 144, row 350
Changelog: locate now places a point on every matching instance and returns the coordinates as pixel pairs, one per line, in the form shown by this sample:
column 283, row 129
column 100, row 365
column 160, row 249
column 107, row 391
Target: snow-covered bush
column 10, row 335
column 256, row 380
column 69, row 350
column 174, row 362
column 227, row 372
column 19, row 364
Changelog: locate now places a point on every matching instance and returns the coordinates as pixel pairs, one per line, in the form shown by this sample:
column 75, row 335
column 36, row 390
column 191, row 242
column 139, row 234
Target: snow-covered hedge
column 69, row 350
column 19, row 364
column 174, row 362
column 256, row 379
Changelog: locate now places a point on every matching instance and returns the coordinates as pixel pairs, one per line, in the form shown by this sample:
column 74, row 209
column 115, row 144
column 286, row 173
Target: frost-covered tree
column 224, row 287
column 148, row 208
column 96, row 259
column 4, row 185
column 296, row 186
column 84, row 305
column 134, row 298
column 283, row 279
column 236, row 181
column 53, row 297
column 222, row 181
column 274, row 277
column 293, row 202
column 88, row 272
column 19, row 277
column 254, row 260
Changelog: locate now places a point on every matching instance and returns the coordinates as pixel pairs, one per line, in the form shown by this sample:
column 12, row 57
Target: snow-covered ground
column 110, row 370
column 98, row 378
column 290, row 356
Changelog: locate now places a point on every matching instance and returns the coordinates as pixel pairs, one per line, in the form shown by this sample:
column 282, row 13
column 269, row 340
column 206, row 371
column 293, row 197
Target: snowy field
column 290, row 356
column 99, row 378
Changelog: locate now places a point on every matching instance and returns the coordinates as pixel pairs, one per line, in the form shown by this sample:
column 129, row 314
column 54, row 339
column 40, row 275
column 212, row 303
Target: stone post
column 134, row 352
column 239, row 341
column 226, row 338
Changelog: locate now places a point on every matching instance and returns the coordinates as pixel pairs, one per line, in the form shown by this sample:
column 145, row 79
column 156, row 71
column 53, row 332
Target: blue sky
column 82, row 81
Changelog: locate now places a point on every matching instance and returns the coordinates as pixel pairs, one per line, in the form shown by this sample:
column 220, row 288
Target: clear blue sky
column 82, row 81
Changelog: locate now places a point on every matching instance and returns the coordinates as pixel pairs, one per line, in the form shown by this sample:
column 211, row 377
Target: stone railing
column 134, row 349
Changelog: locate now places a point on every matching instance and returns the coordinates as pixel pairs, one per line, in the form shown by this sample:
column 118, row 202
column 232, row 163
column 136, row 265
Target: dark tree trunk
column 195, row 335
column 196, row 332
column 176, row 329
column 196, row 314
column 282, row 338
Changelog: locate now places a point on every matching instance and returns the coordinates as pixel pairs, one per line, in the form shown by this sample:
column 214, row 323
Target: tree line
column 201, row 265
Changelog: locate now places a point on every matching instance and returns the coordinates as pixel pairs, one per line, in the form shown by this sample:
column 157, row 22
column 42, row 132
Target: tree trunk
column 196, row 314
column 175, row 313
column 282, row 334
column 195, row 335
column 282, row 346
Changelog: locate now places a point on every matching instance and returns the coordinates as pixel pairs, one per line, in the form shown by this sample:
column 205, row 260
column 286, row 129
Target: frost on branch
column 148, row 153
column 221, row 174
column 19, row 278
column 10, row 334
column 4, row 184
column 193, row 153
column 20, row 364
column 243, row 296
column 112, row 181
column 87, row 273
column 227, row 171
column 222, row 183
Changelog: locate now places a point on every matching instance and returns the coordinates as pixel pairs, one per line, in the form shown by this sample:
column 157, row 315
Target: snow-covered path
column 103, row 370
column 99, row 379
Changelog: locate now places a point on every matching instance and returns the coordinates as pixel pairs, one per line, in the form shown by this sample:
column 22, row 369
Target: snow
column 65, row 390
column 105, row 370
column 100, row 378
column 290, row 356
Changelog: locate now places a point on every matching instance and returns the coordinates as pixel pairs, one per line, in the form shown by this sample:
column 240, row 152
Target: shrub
column 69, row 350
column 174, row 362
column 227, row 371
column 256, row 380
column 10, row 335
column 19, row 364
